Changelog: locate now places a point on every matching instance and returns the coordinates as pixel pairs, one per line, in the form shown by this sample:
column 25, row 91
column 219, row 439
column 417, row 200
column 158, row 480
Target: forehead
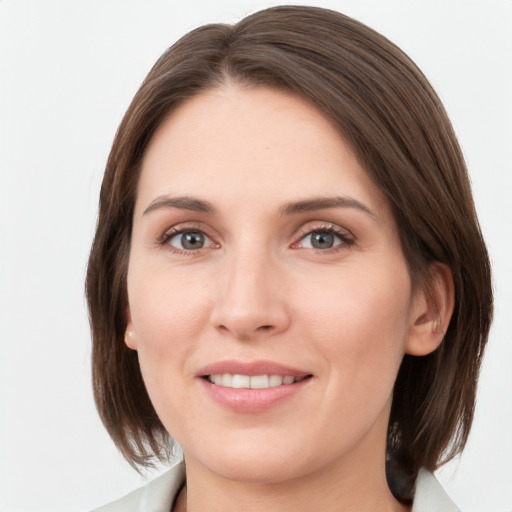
column 256, row 142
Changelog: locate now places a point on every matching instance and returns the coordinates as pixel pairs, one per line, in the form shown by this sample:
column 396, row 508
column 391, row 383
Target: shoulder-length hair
column 388, row 112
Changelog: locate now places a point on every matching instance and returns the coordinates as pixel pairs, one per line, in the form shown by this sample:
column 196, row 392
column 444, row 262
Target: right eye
column 189, row 240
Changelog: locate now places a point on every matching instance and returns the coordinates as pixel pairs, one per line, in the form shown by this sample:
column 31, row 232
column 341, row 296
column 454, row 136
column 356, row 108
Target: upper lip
column 250, row 368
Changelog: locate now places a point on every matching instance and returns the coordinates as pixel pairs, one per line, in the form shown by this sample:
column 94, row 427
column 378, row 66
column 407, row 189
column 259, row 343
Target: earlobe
column 130, row 339
column 431, row 311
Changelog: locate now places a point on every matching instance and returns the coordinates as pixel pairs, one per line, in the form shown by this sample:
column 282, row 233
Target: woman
column 288, row 277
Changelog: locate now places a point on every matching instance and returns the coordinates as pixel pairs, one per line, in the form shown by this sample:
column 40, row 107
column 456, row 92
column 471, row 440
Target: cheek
column 168, row 315
column 359, row 329
column 361, row 323
column 165, row 308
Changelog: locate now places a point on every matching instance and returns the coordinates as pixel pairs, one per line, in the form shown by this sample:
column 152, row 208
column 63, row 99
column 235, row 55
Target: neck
column 360, row 485
column 339, row 496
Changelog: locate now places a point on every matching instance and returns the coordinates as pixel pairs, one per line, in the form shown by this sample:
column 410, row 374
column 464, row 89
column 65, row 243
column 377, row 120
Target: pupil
column 322, row 240
column 192, row 240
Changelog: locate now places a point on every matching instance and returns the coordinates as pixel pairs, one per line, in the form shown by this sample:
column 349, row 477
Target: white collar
column 430, row 496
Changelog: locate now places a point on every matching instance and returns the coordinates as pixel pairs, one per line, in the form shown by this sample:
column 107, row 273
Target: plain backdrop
column 68, row 70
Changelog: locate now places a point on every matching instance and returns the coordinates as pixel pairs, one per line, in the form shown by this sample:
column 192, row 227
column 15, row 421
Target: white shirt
column 160, row 494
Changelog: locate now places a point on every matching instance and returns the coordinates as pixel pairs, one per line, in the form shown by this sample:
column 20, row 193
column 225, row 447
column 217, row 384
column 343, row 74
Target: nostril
column 265, row 327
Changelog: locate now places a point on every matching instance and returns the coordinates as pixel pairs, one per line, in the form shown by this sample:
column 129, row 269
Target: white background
column 68, row 70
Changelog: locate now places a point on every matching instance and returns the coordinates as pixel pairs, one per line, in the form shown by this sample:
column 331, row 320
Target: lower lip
column 252, row 400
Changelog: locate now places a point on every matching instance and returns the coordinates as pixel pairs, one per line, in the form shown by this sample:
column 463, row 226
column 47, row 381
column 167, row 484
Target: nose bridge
column 249, row 299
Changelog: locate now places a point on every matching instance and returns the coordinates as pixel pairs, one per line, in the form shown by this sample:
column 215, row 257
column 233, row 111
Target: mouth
column 252, row 386
column 264, row 381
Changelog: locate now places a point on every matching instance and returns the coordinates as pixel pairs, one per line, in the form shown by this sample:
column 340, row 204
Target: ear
column 129, row 335
column 431, row 311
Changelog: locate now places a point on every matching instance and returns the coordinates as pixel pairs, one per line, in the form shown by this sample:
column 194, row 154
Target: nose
column 250, row 300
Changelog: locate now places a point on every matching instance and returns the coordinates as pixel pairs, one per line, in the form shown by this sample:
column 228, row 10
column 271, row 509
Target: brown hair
column 386, row 109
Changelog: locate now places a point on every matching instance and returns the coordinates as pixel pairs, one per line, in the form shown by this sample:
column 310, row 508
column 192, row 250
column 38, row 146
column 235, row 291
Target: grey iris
column 192, row 240
column 322, row 240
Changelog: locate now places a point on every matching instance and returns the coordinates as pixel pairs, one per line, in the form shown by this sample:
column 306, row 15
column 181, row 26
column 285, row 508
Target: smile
column 252, row 381
column 252, row 386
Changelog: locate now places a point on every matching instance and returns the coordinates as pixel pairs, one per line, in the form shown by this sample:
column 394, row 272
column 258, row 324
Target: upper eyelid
column 307, row 229
column 187, row 226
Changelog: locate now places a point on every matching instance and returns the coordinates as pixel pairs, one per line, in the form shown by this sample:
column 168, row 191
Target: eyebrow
column 183, row 203
column 292, row 208
column 322, row 203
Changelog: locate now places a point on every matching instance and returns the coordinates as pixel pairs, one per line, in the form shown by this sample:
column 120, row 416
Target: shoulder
column 430, row 496
column 156, row 496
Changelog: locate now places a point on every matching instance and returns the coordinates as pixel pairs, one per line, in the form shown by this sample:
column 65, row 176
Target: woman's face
column 264, row 257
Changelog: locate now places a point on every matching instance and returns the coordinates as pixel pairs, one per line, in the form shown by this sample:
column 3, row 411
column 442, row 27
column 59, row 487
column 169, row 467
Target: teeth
column 253, row 382
column 259, row 382
column 275, row 380
column 240, row 381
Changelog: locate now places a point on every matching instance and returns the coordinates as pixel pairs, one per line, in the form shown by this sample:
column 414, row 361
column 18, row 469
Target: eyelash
column 176, row 231
column 346, row 238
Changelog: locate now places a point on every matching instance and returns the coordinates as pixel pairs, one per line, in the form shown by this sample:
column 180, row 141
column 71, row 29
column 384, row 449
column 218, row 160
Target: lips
column 251, row 386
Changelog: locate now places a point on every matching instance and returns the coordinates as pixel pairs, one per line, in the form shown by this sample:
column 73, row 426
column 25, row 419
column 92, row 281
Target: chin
column 256, row 470
column 250, row 461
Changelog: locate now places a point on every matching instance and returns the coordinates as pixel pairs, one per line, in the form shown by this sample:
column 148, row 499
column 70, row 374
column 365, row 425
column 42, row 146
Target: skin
column 259, row 290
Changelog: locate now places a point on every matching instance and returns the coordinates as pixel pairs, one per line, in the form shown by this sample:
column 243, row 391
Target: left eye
column 321, row 240
column 189, row 240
